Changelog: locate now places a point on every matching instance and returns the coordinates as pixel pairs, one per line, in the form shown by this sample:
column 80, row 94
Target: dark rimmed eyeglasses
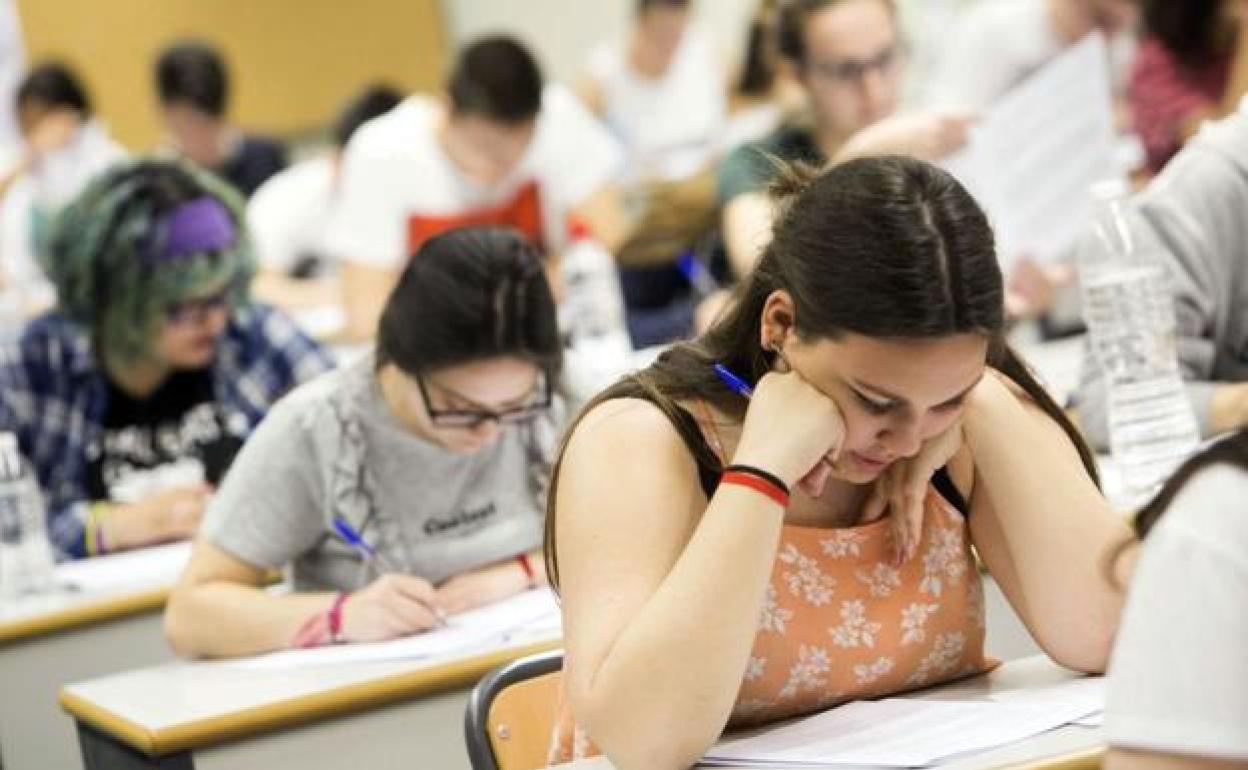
column 471, row 418
column 198, row 309
column 850, row 71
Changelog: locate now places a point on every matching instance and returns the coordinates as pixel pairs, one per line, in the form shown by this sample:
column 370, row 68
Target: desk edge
column 293, row 712
column 106, row 609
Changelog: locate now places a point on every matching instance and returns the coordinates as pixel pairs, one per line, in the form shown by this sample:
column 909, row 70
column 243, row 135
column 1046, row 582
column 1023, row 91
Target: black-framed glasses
column 471, row 418
column 198, row 309
column 851, row 71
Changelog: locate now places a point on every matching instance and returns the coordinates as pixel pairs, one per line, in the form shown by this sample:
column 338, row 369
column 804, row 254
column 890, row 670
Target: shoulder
column 259, row 334
column 629, row 435
column 50, row 343
column 257, row 148
column 1209, row 513
column 394, row 132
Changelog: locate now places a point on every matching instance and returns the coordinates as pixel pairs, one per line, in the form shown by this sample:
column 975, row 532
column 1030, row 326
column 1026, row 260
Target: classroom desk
column 1067, row 748
column 213, row 715
column 111, row 623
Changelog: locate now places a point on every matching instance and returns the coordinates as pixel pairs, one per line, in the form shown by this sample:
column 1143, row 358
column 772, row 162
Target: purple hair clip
column 195, row 227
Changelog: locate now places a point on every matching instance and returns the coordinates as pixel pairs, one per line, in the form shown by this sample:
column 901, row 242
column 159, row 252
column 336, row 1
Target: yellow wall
column 293, row 62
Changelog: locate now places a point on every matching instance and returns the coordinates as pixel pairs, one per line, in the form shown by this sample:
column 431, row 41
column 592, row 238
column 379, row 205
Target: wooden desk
column 212, row 715
column 110, row 623
column 1067, row 748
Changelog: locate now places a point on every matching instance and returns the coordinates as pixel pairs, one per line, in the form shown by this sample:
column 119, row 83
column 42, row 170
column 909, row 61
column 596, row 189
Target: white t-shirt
column 1178, row 680
column 288, row 214
column 669, row 126
column 399, row 188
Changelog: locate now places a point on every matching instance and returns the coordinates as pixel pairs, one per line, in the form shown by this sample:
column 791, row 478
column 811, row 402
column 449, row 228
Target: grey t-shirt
column 332, row 447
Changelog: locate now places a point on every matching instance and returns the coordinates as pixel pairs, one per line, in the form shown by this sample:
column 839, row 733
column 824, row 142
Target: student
column 848, row 55
column 499, row 149
column 289, row 213
column 131, row 397
column 1178, row 678
column 1192, row 67
column 63, row 148
column 1193, row 215
column 194, row 90
column 733, row 567
column 661, row 92
column 997, row 45
column 435, row 450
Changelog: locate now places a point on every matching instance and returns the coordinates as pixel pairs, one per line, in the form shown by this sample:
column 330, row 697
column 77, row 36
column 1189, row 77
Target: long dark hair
column 1188, row 29
column 758, row 70
column 881, row 247
column 468, row 295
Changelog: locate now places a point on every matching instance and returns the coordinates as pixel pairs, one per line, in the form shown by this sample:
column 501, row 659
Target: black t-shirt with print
column 176, row 436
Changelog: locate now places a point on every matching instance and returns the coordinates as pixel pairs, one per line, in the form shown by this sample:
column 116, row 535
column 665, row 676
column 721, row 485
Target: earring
column 778, row 349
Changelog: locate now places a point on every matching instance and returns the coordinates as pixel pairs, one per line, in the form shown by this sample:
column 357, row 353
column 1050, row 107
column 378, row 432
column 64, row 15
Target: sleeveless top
column 839, row 622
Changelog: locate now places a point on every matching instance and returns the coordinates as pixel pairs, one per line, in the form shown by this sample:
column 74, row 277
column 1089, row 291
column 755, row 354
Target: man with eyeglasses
column 849, row 57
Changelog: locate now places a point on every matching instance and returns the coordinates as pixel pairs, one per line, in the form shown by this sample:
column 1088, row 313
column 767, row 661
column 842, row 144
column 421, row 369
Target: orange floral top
column 840, row 623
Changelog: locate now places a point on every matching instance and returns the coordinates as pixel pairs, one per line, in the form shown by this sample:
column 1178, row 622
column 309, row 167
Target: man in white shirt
column 499, row 148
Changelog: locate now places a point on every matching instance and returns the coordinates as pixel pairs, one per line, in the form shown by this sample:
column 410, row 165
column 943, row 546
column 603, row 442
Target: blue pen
column 696, row 274
column 738, row 385
column 371, row 554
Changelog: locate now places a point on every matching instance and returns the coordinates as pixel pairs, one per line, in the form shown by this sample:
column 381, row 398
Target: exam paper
column 896, row 732
column 1034, row 154
column 528, row 617
column 142, row 569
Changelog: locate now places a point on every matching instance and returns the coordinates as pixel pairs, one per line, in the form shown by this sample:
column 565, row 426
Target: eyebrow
column 511, row 402
column 885, row 393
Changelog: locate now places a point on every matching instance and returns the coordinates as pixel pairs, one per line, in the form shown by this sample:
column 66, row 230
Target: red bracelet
column 334, row 616
column 757, row 484
column 527, row 566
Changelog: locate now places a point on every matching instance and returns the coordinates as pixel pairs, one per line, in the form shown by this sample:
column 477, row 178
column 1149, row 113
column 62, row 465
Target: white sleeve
column 367, row 223
column 278, row 216
column 968, row 70
column 579, row 155
column 1179, row 674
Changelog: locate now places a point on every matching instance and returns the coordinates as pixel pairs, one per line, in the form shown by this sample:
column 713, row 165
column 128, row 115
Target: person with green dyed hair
column 132, row 396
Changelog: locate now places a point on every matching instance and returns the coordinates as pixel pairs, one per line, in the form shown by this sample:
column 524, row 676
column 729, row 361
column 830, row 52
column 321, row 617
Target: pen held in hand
column 373, row 556
column 742, row 388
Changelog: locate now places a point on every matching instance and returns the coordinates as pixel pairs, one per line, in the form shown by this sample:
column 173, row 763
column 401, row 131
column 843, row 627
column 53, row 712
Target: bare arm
column 1042, row 527
column 364, row 293
column 603, row 211
column 747, row 222
column 220, row 608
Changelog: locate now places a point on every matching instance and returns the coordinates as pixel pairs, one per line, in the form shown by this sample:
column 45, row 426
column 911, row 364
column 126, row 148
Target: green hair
column 99, row 254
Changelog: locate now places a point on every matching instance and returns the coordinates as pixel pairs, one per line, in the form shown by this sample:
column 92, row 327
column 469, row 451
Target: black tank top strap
column 709, row 466
column 948, row 490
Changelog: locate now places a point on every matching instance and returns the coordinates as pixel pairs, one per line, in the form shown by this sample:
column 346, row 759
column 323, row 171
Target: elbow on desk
column 652, row 742
column 1088, row 648
column 178, row 623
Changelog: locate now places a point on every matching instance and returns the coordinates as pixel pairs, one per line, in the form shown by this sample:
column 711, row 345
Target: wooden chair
column 511, row 713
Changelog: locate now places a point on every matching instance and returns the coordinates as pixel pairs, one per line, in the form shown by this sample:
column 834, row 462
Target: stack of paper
column 907, row 732
column 530, row 616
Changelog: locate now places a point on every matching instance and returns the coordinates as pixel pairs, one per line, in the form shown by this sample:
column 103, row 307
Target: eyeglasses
column 471, row 418
column 851, row 71
column 197, row 310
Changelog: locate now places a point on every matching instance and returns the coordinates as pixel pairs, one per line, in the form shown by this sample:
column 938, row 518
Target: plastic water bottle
column 1129, row 311
column 26, row 561
column 592, row 314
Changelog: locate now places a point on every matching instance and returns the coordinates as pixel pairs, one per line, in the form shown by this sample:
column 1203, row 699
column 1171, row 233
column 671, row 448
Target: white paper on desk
column 1034, row 154
column 529, row 616
column 896, row 732
column 143, row 569
column 1085, row 694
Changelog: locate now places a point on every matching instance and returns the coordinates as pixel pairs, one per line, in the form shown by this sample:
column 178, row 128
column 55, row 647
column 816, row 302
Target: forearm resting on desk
column 220, row 608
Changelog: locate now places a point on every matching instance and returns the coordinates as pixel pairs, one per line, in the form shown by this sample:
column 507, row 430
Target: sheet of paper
column 1035, row 153
column 896, row 732
column 143, row 569
column 1085, row 694
column 530, row 616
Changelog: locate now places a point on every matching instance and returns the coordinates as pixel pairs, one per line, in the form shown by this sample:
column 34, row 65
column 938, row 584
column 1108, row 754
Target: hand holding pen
column 393, row 605
column 791, row 429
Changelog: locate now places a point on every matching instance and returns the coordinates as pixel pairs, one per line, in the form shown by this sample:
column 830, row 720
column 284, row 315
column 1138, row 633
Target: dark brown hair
column 791, row 27
column 885, row 247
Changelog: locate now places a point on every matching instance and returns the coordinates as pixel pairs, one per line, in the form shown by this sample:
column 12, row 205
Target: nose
column 874, row 91
column 486, row 432
column 902, row 438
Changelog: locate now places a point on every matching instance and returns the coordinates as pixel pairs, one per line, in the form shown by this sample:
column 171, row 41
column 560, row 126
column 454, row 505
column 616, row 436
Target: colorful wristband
column 527, row 565
column 334, row 616
column 758, row 480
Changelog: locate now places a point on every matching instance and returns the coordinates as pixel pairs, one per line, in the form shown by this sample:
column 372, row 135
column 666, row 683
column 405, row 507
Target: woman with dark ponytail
column 779, row 517
column 433, row 453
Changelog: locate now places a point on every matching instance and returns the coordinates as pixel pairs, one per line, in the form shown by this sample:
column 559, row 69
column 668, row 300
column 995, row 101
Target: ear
column 777, row 323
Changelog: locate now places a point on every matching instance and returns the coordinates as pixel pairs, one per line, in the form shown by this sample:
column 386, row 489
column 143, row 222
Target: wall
column 303, row 58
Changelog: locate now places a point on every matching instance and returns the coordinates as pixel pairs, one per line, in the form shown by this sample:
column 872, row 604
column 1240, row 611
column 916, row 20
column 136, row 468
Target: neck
column 139, row 378
column 1071, row 20
column 828, row 140
column 645, row 59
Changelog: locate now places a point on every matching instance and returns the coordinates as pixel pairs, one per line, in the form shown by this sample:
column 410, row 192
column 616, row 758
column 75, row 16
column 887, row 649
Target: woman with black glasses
column 403, row 488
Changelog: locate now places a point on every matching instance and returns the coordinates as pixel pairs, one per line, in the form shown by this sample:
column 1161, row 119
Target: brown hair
column 882, row 247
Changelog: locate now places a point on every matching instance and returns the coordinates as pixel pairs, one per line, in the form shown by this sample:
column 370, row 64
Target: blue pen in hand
column 374, row 557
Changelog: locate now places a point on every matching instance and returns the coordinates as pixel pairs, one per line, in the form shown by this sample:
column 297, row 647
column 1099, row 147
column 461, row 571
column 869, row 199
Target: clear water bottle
column 1129, row 311
column 592, row 314
column 26, row 561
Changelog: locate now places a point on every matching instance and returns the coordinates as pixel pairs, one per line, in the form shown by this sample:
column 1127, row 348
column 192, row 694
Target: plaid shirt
column 54, row 397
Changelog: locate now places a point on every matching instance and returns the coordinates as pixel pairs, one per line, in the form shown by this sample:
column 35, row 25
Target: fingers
column 420, row 591
column 812, row 483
